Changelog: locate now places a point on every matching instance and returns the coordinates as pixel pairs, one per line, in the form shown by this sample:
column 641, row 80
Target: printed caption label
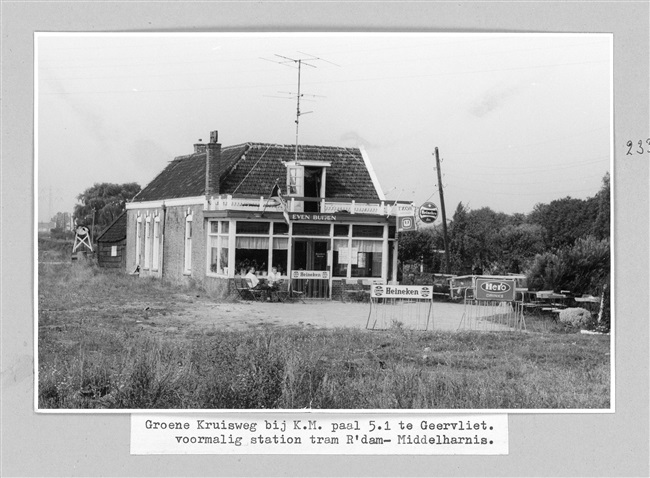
column 420, row 434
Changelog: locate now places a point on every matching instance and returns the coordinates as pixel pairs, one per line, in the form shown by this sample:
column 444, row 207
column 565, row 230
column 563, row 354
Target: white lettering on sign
column 494, row 289
column 310, row 274
column 312, row 217
column 401, row 291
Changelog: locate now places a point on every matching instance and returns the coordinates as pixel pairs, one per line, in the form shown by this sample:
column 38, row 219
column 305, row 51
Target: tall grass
column 332, row 369
column 93, row 354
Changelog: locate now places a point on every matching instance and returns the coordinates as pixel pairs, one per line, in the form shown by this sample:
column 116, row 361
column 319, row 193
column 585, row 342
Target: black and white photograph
column 324, row 221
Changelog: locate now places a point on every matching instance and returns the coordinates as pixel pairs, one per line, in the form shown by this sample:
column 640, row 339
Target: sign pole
column 444, row 215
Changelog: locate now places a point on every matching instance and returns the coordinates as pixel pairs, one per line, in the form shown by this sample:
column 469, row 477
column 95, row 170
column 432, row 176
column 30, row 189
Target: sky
column 518, row 119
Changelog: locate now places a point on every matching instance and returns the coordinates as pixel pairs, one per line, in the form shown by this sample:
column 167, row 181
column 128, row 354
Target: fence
column 393, row 306
column 490, row 305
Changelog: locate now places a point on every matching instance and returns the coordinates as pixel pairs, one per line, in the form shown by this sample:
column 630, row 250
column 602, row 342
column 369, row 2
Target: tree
column 564, row 220
column 601, row 225
column 421, row 246
column 103, row 203
column 518, row 245
column 582, row 268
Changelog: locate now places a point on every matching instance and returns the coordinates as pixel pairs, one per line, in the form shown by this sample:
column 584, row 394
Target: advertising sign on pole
column 428, row 212
column 495, row 289
column 401, row 291
column 406, row 223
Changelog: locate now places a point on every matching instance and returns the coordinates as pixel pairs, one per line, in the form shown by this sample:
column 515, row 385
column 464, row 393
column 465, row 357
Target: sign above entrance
column 401, row 291
column 495, row 289
column 310, row 275
column 314, row 217
column 428, row 212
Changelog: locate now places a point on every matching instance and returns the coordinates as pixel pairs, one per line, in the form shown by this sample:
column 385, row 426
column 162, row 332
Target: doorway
column 311, row 255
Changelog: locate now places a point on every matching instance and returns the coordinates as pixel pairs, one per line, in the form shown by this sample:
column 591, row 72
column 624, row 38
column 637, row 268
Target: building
column 210, row 215
column 111, row 245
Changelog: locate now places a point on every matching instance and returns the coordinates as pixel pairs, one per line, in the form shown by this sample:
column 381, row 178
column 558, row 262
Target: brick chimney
column 212, row 162
column 199, row 147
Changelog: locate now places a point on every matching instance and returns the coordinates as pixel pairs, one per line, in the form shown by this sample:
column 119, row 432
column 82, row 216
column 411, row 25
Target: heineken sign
column 380, row 291
column 428, row 212
column 310, row 274
column 495, row 289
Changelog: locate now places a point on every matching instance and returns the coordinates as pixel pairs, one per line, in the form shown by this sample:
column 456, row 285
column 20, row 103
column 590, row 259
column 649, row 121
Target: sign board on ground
column 401, row 291
column 495, row 289
column 310, row 274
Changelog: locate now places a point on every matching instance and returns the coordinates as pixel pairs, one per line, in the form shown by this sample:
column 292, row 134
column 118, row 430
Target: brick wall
column 173, row 249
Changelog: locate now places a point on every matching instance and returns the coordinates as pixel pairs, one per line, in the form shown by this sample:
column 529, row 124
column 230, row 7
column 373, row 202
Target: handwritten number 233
column 638, row 150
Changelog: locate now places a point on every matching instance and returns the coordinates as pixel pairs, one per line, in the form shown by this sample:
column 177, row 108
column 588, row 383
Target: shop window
column 155, row 259
column 218, row 243
column 147, row 243
column 309, row 229
column 280, row 228
column 341, row 230
column 279, row 254
column 245, row 227
column 340, row 257
column 251, row 252
column 366, row 258
column 367, row 231
column 187, row 266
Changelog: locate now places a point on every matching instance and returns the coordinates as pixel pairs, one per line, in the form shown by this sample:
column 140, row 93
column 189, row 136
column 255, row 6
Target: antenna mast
column 297, row 63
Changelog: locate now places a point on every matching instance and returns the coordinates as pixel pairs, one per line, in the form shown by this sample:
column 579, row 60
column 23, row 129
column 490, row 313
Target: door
column 311, row 255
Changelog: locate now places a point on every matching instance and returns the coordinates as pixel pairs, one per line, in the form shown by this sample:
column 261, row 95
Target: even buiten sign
column 495, row 289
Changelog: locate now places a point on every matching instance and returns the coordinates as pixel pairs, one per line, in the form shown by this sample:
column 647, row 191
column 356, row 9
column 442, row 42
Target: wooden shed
column 111, row 245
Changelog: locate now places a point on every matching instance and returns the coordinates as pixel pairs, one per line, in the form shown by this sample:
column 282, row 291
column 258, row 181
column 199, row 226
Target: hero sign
column 428, row 212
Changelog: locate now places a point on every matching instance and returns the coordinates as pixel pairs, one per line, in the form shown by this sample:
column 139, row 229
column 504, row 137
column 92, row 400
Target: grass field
column 95, row 352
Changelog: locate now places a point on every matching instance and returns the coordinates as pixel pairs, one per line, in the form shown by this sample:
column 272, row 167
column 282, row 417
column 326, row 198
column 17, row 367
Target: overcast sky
column 517, row 119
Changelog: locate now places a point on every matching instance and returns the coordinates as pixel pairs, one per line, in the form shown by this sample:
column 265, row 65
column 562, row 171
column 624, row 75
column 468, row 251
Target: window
column 187, row 267
column 280, row 256
column 147, row 242
column 368, row 231
column 341, row 230
column 365, row 258
column 246, row 227
column 138, row 240
column 295, row 180
column 155, row 260
column 218, row 243
column 341, row 258
column 311, row 229
column 251, row 252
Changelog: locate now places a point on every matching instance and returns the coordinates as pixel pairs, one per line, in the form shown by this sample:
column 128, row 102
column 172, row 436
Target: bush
column 575, row 316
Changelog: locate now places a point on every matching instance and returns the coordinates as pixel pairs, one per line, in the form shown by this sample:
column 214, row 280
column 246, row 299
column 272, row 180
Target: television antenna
column 298, row 63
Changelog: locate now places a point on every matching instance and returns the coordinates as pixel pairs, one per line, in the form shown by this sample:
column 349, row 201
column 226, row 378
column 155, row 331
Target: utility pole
column 444, row 214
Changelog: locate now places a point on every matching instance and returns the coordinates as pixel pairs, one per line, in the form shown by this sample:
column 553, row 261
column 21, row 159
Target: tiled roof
column 116, row 231
column 253, row 168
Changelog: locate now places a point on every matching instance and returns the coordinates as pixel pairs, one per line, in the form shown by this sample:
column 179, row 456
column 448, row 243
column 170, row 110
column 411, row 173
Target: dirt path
column 203, row 313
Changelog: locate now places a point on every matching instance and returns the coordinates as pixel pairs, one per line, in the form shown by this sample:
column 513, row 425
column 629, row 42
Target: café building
column 316, row 213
